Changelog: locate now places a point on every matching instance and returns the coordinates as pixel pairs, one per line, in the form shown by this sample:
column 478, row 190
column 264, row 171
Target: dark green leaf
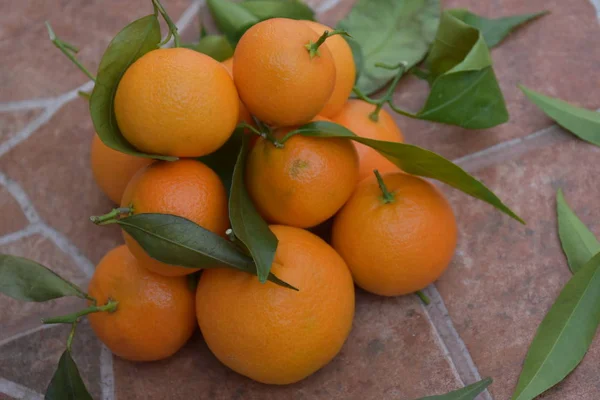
column 390, row 31
column 265, row 9
column 578, row 243
column 231, row 18
column 27, row 280
column 66, row 384
column 135, row 40
column 414, row 160
column 247, row 224
column 496, row 29
column 583, row 123
column 178, row 241
column 466, row 393
column 565, row 334
column 464, row 89
column 223, row 160
column 216, row 46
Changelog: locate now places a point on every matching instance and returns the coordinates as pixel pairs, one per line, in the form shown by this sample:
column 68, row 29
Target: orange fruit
column 355, row 116
column 176, row 102
column 273, row 334
column 305, row 182
column 277, row 80
column 398, row 247
column 155, row 315
column 244, row 113
column 112, row 169
column 186, row 188
column 344, row 67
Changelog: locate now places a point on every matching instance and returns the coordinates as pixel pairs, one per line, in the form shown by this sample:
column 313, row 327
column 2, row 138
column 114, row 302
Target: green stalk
column 68, row 50
column 110, row 306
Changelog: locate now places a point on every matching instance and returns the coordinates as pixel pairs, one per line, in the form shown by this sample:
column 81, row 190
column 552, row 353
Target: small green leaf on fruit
column 223, row 160
column 215, row 46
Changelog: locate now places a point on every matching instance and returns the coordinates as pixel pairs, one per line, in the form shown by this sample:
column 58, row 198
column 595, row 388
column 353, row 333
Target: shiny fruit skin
column 399, row 247
column 272, row 334
column 155, row 315
column 186, row 188
column 279, row 82
column 176, row 102
column 355, row 116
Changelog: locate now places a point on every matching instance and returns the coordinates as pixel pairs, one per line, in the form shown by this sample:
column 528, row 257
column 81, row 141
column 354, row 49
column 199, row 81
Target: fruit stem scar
column 313, row 48
column 68, row 50
column 386, row 195
column 110, row 306
column 112, row 217
column 158, row 8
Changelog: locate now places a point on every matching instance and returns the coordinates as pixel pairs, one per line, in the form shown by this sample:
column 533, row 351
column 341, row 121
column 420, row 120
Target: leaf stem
column 68, row 50
column 71, row 336
column 423, row 297
column 111, row 217
column 386, row 195
column 359, row 93
column 172, row 27
column 110, row 306
column 313, row 48
column 388, row 97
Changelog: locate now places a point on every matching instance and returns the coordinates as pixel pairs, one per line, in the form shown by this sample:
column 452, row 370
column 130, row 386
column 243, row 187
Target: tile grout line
column 596, row 4
column 17, row 391
column 25, row 333
column 29, row 230
column 326, row 5
column 107, row 374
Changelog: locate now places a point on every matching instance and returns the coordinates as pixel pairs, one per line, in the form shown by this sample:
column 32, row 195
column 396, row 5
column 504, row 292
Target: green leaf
column 178, row 241
column 215, row 46
column 135, row 40
column 66, row 384
column 26, row 280
column 265, row 9
column 247, row 224
column 223, row 160
column 464, row 89
column 231, row 18
column 466, row 393
column 585, row 124
column 496, row 29
column 390, row 31
column 578, row 243
column 565, row 334
column 414, row 160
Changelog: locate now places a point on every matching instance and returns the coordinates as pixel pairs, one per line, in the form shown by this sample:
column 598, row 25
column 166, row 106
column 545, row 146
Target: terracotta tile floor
column 485, row 308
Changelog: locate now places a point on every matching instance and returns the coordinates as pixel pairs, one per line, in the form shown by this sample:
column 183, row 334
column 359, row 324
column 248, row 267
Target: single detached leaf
column 66, row 384
column 135, row 40
column 265, row 9
column 466, row 393
column 390, row 31
column 26, row 280
column 565, row 334
column 585, row 124
column 216, row 46
column 464, row 89
column 178, row 241
column 247, row 224
column 414, row 160
column 496, row 29
column 223, row 160
column 578, row 243
column 231, row 18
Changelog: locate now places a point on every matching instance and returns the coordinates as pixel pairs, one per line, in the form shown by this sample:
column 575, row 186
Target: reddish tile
column 505, row 276
column 31, row 360
column 13, row 122
column 53, row 169
column 17, row 316
column 390, row 354
column 36, row 67
column 12, row 218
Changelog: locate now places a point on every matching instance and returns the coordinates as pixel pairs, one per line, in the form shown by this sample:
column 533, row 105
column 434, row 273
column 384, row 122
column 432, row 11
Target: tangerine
column 244, row 113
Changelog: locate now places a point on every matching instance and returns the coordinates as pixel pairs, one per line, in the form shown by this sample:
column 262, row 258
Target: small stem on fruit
column 423, row 297
column 386, row 196
column 172, row 27
column 245, row 125
column 110, row 307
column 111, row 217
column 68, row 50
column 388, row 97
column 71, row 336
column 313, row 48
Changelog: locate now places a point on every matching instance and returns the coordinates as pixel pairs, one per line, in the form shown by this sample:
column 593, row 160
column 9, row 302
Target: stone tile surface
column 12, row 122
column 12, row 218
column 505, row 276
column 17, row 316
column 31, row 360
column 390, row 354
column 53, row 169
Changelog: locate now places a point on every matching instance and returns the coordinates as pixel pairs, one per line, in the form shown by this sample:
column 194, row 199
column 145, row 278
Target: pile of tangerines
column 392, row 233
